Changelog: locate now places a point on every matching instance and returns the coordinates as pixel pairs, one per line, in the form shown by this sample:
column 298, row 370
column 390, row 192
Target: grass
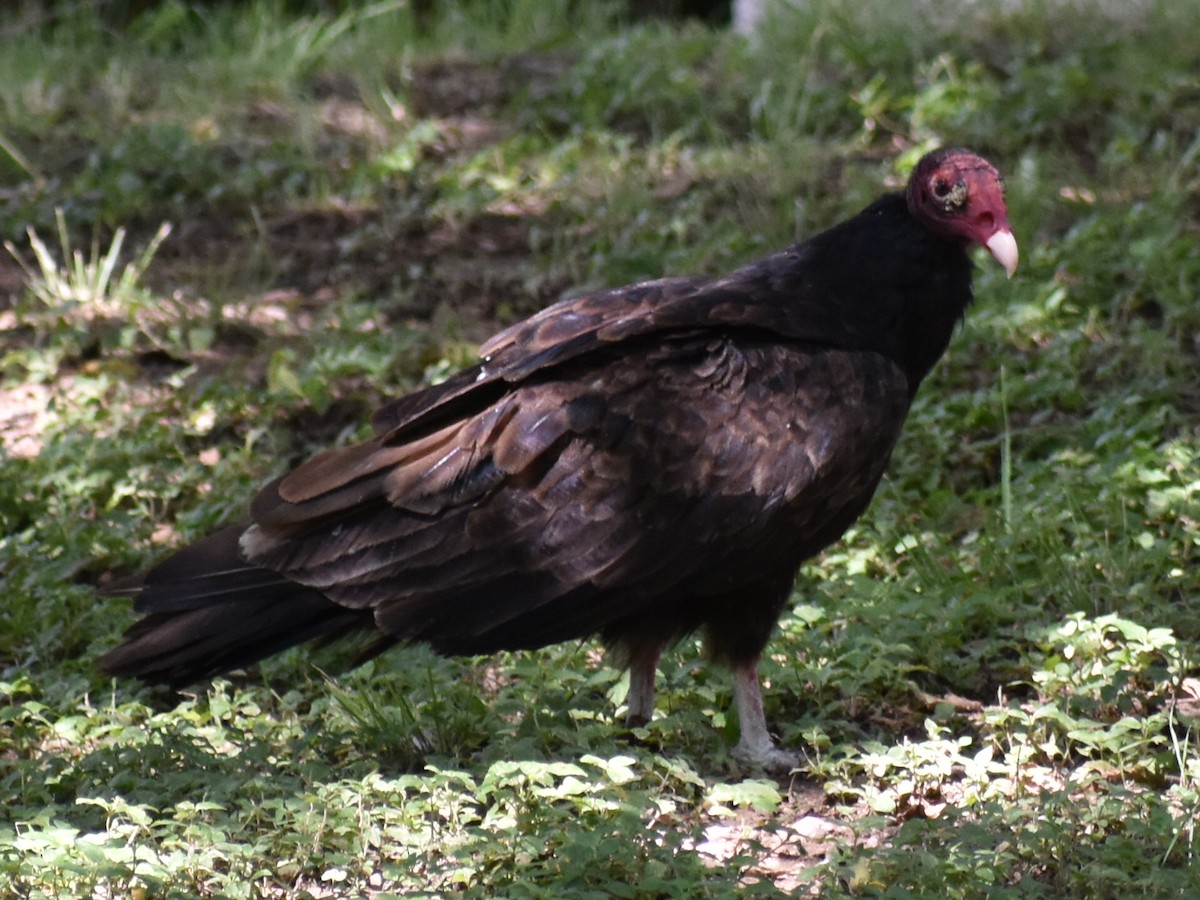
column 993, row 677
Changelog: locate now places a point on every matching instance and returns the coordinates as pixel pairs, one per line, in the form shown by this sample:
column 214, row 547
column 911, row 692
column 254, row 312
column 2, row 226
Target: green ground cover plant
column 993, row 678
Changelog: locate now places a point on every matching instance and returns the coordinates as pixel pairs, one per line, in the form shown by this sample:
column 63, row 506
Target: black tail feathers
column 209, row 612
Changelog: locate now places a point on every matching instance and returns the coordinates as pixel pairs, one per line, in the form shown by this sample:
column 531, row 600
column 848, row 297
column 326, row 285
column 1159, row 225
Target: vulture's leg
column 643, row 668
column 755, row 747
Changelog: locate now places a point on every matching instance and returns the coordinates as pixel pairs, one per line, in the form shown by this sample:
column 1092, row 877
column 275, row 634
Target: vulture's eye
column 950, row 194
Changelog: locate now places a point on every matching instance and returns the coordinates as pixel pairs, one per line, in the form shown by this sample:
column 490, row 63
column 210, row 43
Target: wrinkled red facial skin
column 958, row 196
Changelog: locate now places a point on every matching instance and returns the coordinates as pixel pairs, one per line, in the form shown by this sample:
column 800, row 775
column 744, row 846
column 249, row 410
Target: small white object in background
column 748, row 15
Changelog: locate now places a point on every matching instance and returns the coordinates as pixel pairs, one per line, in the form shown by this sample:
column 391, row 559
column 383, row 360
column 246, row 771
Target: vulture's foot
column 767, row 757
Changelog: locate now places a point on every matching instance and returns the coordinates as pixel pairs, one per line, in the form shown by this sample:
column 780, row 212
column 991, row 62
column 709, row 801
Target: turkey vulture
column 635, row 464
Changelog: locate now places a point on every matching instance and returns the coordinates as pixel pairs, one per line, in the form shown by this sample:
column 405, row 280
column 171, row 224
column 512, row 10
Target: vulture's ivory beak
column 1003, row 246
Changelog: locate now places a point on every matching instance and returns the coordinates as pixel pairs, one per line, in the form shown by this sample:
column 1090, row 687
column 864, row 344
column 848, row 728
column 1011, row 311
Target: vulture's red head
column 959, row 196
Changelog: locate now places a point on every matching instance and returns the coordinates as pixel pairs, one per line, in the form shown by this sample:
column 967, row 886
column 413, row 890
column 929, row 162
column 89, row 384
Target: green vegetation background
column 992, row 678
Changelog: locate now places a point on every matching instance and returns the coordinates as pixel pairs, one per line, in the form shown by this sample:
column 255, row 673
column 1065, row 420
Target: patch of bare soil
column 481, row 270
column 786, row 843
column 342, row 249
column 12, row 280
column 474, row 267
column 452, row 88
column 23, row 418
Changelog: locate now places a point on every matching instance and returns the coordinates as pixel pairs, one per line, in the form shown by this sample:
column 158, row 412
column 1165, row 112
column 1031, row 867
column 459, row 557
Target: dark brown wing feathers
column 634, row 482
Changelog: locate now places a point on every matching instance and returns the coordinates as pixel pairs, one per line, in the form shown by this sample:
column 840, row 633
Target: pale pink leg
column 640, row 703
column 755, row 747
